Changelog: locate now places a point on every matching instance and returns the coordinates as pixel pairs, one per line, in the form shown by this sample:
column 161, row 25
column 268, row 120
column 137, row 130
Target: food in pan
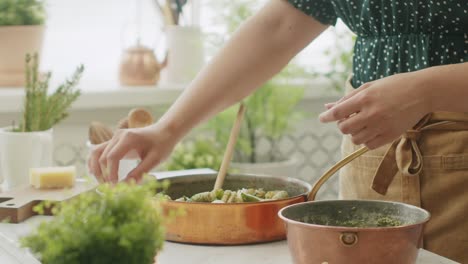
column 239, row 196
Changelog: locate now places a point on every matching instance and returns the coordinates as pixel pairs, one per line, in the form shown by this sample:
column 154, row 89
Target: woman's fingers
column 379, row 140
column 93, row 162
column 114, row 156
column 349, row 95
column 148, row 162
column 364, row 136
column 353, row 124
column 137, row 143
column 103, row 157
column 329, row 105
column 340, row 111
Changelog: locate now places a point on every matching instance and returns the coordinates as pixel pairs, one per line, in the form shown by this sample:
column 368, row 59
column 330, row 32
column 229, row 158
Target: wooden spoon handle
column 230, row 148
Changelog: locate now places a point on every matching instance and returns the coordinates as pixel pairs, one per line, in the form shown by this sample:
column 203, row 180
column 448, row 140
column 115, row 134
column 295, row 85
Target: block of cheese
column 52, row 177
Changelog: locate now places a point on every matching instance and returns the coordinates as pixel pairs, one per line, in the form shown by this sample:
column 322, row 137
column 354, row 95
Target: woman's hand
column 150, row 144
column 379, row 112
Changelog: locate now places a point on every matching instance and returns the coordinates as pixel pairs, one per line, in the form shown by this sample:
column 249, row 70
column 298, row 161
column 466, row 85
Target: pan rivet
column 348, row 238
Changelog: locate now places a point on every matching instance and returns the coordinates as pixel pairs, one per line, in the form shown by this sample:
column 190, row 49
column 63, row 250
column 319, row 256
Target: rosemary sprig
column 41, row 110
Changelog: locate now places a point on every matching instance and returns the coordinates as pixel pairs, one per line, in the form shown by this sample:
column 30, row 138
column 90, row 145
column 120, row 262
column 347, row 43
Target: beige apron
column 427, row 167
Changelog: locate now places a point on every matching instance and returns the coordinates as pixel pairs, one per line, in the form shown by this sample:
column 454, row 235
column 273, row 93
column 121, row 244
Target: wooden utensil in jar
column 99, row 133
column 139, row 117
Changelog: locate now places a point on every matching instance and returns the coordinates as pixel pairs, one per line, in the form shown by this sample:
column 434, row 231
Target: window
column 96, row 32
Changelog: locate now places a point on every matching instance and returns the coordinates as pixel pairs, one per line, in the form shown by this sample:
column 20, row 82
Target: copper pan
column 242, row 223
column 316, row 243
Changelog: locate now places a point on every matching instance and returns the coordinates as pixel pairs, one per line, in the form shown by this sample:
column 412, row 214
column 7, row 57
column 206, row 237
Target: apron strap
column 403, row 156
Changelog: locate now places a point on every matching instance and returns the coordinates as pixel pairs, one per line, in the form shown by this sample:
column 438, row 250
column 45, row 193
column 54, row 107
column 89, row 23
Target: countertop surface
column 174, row 253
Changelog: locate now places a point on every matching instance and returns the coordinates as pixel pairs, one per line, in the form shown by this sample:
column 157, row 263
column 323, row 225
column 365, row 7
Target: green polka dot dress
column 397, row 36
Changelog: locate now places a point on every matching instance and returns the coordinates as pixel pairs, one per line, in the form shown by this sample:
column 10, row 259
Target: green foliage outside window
column 199, row 153
column 272, row 111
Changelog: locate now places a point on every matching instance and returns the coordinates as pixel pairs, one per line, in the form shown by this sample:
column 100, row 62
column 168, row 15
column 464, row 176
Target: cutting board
column 16, row 205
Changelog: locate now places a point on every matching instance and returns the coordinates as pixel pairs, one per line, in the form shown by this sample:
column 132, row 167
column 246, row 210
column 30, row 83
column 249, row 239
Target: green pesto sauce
column 354, row 220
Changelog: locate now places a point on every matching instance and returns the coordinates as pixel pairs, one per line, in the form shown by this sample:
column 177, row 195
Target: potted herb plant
column 21, row 31
column 117, row 224
column 29, row 144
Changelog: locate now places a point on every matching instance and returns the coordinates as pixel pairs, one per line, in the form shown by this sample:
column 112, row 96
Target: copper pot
column 229, row 224
column 314, row 243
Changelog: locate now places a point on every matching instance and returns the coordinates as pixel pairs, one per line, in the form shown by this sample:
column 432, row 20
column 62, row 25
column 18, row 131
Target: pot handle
column 333, row 170
column 349, row 239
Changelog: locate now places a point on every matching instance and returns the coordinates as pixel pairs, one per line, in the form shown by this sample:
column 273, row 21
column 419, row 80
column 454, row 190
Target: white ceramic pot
column 20, row 151
column 287, row 168
column 16, row 42
column 125, row 165
column 185, row 54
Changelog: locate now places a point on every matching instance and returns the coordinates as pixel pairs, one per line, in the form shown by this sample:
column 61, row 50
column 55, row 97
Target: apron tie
column 408, row 155
column 403, row 156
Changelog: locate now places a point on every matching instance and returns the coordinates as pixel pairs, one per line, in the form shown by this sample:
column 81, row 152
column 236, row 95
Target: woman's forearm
column 257, row 51
column 447, row 86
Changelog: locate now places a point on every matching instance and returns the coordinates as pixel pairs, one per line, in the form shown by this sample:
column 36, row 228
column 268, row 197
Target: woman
column 409, row 62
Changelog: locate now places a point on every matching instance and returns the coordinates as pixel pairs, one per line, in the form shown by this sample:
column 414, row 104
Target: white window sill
column 115, row 96
column 11, row 99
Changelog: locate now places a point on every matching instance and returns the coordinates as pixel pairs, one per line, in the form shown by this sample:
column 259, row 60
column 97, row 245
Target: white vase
column 287, row 168
column 125, row 165
column 186, row 54
column 20, row 151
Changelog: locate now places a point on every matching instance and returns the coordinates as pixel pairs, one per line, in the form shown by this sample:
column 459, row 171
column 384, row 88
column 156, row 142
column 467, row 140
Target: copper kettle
column 139, row 66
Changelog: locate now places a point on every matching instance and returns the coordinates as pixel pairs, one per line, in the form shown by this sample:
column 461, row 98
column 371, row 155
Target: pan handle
column 333, row 170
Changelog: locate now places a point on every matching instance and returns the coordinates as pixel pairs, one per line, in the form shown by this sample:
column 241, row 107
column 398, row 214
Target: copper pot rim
column 354, row 229
column 291, row 180
column 290, row 199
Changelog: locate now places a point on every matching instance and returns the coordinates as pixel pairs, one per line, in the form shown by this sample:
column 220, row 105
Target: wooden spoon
column 139, row 117
column 230, row 148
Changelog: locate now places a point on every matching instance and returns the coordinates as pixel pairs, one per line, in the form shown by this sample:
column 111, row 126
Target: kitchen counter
column 174, row 253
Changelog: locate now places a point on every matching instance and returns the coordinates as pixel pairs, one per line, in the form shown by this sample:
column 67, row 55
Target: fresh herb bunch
column 42, row 110
column 120, row 224
column 199, row 153
column 22, row 12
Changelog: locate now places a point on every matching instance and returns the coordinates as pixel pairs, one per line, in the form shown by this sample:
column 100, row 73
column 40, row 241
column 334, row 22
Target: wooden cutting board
column 17, row 205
